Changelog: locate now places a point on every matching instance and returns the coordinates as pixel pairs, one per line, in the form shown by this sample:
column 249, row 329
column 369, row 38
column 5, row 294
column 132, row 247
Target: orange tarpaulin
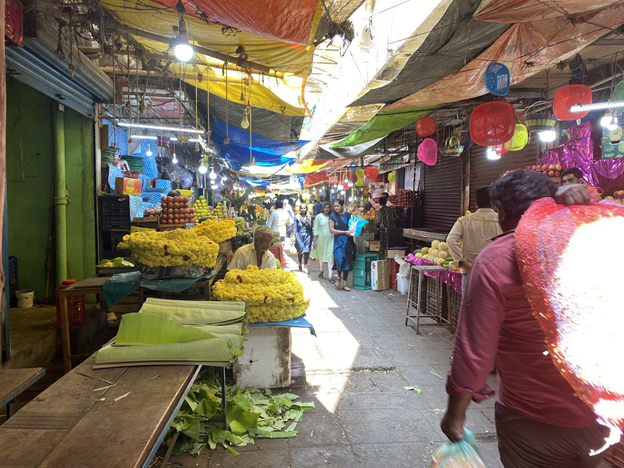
column 526, row 48
column 284, row 20
column 521, row 11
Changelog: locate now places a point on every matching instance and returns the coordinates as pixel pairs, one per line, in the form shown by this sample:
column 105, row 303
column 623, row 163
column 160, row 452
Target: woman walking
column 323, row 240
column 344, row 246
column 303, row 236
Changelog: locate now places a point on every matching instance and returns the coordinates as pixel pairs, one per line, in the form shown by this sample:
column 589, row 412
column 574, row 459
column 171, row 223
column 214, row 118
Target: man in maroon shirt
column 540, row 422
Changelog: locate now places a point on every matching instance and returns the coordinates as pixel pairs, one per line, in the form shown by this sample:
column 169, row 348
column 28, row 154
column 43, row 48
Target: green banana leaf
column 148, row 329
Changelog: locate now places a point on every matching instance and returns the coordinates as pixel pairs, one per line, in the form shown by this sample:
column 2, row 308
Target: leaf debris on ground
column 414, row 389
column 85, row 375
column 122, row 396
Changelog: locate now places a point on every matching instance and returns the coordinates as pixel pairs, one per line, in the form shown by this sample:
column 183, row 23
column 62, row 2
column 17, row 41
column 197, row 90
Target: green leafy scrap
column 250, row 414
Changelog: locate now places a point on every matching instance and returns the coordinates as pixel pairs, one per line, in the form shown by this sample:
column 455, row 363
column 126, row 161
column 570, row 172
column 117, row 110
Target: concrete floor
column 355, row 371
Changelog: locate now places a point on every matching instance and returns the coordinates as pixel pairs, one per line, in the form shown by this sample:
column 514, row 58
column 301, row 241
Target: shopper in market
column 323, row 241
column 280, row 221
column 572, row 175
column 256, row 253
column 344, row 246
column 540, row 422
column 376, row 205
column 318, row 206
column 303, row 236
column 471, row 233
column 385, row 217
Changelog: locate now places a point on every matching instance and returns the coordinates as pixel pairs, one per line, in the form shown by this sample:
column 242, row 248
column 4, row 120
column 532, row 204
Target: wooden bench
column 15, row 381
column 71, row 425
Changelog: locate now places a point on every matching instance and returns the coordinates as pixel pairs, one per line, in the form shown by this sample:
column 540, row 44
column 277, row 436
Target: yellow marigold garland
column 271, row 295
column 216, row 231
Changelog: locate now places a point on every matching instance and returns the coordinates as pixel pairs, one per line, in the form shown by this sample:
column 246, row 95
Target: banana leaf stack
column 170, row 332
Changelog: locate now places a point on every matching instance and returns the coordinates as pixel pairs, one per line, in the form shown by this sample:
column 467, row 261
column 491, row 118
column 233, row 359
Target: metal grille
column 442, row 197
column 484, row 171
column 454, row 300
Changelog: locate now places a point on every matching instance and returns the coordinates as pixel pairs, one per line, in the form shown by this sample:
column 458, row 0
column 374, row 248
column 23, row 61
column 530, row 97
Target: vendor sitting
column 256, row 254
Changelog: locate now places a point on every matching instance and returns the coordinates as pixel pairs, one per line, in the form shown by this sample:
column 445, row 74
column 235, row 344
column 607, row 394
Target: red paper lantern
column 371, row 172
column 425, row 126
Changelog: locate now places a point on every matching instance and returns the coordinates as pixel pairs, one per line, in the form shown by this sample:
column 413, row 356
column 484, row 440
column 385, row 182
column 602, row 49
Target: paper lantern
column 371, row 172
column 391, row 177
column 425, row 126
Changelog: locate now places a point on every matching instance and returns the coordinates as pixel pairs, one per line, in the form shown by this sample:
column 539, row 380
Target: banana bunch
column 216, row 231
column 179, row 247
column 270, row 295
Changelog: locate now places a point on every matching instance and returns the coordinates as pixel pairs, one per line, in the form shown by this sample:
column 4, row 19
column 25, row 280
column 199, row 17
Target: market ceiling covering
column 527, row 35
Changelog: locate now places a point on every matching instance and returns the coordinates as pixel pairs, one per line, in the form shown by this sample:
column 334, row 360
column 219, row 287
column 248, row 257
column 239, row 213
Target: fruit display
column 551, row 170
column 201, row 208
column 262, row 214
column 215, row 230
column 220, row 210
column 437, row 254
column 270, row 295
column 175, row 210
column 240, row 224
column 152, row 212
column 179, row 247
column 618, row 195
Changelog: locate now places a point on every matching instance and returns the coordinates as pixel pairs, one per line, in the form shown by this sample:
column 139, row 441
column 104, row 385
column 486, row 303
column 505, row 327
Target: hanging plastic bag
column 462, row 454
column 356, row 223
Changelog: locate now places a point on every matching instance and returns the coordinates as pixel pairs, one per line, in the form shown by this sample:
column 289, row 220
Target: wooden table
column 68, row 426
column 15, row 381
column 94, row 285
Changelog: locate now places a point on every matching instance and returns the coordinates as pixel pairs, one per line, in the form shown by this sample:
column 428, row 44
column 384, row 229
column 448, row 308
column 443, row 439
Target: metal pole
column 60, row 192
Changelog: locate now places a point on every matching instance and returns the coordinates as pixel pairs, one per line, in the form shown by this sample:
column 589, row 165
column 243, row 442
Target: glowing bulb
column 202, row 168
column 491, row 154
column 213, row 174
column 245, row 121
column 174, row 160
column 214, row 186
column 149, row 150
column 224, row 178
column 547, row 136
column 183, row 51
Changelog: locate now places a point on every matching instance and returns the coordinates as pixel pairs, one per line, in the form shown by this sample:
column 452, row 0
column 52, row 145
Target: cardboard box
column 125, row 186
column 374, row 246
column 396, row 252
column 380, row 275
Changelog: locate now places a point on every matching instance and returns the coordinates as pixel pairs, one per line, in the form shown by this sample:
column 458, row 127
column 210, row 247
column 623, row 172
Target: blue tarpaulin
column 301, row 322
column 265, row 151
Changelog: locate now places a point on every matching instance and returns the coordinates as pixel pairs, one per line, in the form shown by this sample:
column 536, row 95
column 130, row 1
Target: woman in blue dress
column 344, row 246
column 303, row 236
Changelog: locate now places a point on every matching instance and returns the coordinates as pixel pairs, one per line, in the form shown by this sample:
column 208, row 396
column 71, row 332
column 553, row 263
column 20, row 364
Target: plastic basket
column 492, row 123
column 452, row 147
column 539, row 122
column 496, row 79
column 428, row 152
column 425, row 126
column 186, row 193
column 519, row 139
column 571, row 95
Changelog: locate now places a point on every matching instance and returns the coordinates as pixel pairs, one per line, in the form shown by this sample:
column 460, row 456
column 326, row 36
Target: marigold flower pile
column 271, row 295
column 179, row 247
column 216, row 231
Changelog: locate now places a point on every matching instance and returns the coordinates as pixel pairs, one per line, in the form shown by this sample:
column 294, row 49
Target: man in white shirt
column 256, row 254
column 280, row 220
column 474, row 230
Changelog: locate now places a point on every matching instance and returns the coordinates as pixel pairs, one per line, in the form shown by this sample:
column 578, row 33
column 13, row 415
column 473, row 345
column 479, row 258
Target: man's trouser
column 525, row 443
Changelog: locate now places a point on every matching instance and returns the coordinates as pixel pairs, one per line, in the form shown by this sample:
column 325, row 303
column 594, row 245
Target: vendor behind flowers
column 256, row 254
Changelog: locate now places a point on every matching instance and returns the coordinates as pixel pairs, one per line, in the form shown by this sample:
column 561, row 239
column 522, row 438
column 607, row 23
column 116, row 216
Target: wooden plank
column 12, row 380
column 125, row 308
column 68, row 425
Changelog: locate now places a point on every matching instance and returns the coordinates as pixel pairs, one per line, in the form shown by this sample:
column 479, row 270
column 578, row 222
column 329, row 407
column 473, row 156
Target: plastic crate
column 114, row 212
column 361, row 283
column 454, row 300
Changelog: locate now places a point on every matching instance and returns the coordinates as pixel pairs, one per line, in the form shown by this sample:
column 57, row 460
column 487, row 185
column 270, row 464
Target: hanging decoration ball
column 359, row 171
column 371, row 172
column 391, row 177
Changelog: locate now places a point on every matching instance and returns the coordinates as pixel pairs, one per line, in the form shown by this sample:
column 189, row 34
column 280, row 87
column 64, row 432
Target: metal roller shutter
column 484, row 171
column 442, row 196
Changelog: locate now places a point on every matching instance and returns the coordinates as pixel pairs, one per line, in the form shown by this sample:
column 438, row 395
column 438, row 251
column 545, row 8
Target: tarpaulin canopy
column 264, row 151
column 264, row 123
column 456, row 39
column 284, row 20
column 351, row 152
column 281, row 56
column 520, row 11
column 309, row 166
column 383, row 124
column 526, row 49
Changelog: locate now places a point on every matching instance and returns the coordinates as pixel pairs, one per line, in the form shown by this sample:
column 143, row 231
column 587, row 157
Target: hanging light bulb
column 491, row 154
column 149, row 150
column 202, row 167
column 547, row 136
column 214, row 186
column 183, row 51
column 609, row 120
column 224, row 178
column 213, row 174
column 245, row 121
column 174, row 160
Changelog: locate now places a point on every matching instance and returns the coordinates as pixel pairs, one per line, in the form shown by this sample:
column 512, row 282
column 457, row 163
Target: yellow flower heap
column 179, row 247
column 271, row 295
column 217, row 231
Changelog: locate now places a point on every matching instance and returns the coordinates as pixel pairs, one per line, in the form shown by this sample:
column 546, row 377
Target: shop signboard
column 612, row 143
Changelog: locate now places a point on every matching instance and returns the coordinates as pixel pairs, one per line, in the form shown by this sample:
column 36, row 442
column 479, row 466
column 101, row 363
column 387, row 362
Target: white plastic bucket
column 25, row 298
